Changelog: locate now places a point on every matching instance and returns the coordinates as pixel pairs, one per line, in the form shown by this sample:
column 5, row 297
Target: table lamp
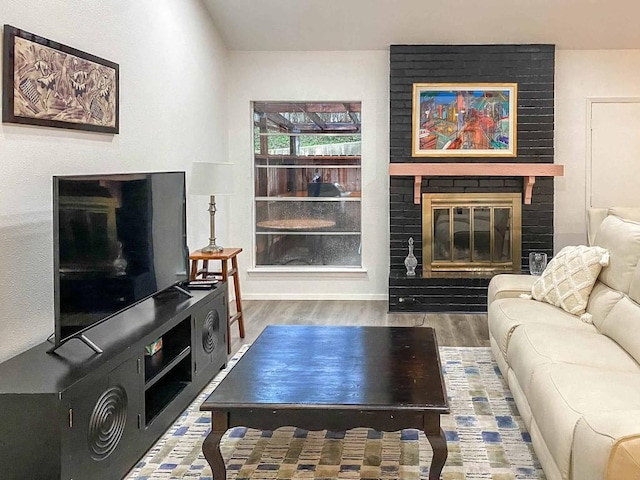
column 211, row 179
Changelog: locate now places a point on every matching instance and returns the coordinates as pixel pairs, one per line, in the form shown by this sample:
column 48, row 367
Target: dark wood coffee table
column 336, row 379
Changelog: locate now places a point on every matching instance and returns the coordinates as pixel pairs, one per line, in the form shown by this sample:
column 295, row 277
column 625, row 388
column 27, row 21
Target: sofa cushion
column 622, row 239
column 534, row 345
column 508, row 313
column 561, row 394
column 622, row 324
column 570, row 276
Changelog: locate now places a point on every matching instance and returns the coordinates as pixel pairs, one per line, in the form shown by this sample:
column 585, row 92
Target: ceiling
column 294, row 25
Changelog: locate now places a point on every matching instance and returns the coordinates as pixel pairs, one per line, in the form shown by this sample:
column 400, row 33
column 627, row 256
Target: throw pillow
column 570, row 276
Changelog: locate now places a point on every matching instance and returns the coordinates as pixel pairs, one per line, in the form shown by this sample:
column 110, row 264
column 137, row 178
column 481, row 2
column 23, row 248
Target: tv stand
column 80, row 337
column 183, row 290
column 89, row 343
column 60, row 412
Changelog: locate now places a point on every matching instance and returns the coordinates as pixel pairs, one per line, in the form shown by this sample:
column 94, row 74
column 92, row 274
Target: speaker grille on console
column 209, row 331
column 107, row 422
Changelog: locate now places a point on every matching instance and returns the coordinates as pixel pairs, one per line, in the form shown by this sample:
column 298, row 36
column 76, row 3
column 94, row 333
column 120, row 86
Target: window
column 307, row 184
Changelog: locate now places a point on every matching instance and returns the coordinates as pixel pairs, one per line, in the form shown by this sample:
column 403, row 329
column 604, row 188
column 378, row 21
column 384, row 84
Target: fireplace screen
column 471, row 232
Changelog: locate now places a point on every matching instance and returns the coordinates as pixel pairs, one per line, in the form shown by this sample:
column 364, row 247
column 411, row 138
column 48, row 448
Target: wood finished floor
column 452, row 330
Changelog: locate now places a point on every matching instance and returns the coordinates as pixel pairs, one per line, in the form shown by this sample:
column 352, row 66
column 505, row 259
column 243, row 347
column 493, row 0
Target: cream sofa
column 577, row 384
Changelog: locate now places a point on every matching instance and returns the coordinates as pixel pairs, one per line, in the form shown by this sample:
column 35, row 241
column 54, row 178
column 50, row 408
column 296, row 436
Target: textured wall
column 532, row 68
column 172, row 112
column 314, row 76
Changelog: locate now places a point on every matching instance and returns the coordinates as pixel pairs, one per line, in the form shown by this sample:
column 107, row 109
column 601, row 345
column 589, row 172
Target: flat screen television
column 118, row 239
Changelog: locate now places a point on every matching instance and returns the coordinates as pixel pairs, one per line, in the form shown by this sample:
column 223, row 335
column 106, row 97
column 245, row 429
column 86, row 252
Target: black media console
column 76, row 415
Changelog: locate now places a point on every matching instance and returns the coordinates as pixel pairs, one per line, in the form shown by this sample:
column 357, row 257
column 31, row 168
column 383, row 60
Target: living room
column 207, row 122
column 186, row 87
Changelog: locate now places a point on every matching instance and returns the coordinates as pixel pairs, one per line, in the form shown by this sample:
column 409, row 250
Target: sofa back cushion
column 622, row 239
column 628, row 213
column 595, row 216
column 634, row 289
column 622, row 325
column 601, row 301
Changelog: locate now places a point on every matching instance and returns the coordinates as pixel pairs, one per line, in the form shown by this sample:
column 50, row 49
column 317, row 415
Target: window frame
column 355, row 164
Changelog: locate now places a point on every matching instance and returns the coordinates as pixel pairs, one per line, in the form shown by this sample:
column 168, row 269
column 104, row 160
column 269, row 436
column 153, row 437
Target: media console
column 75, row 414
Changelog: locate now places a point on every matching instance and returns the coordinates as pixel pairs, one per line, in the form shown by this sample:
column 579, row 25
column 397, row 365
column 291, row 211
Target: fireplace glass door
column 468, row 232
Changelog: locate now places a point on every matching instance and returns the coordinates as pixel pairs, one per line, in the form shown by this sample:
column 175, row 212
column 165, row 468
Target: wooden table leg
column 194, row 269
column 224, row 272
column 236, row 286
column 438, row 442
column 205, row 268
column 211, row 445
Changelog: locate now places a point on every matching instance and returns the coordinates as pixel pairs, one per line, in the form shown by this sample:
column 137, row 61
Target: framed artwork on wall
column 49, row 84
column 464, row 120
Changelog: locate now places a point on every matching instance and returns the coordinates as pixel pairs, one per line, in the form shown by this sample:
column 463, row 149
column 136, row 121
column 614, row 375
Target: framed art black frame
column 53, row 85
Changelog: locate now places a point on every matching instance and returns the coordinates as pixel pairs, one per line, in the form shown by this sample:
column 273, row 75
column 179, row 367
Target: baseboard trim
column 314, row 296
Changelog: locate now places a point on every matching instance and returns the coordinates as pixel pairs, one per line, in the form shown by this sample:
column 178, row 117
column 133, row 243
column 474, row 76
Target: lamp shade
column 209, row 178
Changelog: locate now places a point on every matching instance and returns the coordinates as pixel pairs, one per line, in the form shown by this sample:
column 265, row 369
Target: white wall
column 581, row 74
column 314, row 76
column 172, row 112
column 364, row 76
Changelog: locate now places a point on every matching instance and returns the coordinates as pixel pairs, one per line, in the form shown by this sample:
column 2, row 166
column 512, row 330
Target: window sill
column 342, row 271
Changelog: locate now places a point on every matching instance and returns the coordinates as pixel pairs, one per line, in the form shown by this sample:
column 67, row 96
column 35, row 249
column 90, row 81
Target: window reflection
column 481, row 234
column 307, row 184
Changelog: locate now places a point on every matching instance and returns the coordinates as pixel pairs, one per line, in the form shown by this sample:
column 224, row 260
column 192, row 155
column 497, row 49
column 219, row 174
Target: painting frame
column 46, row 83
column 482, row 132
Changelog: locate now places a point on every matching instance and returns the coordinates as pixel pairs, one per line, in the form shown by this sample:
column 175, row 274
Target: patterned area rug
column 486, row 439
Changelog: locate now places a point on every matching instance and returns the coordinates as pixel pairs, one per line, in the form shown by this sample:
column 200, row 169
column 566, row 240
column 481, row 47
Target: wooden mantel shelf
column 528, row 171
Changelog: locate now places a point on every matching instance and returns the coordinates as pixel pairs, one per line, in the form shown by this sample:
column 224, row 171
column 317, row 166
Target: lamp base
column 212, row 248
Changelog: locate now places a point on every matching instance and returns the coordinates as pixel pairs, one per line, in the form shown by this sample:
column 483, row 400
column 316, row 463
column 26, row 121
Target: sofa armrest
column 606, row 445
column 509, row 286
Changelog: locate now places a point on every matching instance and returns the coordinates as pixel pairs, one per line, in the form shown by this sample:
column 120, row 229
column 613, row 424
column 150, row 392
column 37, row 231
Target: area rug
column 485, row 435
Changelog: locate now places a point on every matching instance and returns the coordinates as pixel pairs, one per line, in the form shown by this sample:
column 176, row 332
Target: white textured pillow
column 570, row 276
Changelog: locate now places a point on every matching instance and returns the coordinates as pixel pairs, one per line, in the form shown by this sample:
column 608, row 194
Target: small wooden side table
column 204, row 273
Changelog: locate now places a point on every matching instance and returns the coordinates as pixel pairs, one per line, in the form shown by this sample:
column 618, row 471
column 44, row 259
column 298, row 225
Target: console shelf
column 76, row 414
column 176, row 346
column 166, row 387
column 167, row 367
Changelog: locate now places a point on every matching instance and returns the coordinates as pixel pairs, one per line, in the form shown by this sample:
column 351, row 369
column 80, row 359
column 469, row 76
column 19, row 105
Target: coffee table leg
column 211, row 445
column 438, row 442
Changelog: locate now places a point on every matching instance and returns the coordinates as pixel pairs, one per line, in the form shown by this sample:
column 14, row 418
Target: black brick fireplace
column 532, row 68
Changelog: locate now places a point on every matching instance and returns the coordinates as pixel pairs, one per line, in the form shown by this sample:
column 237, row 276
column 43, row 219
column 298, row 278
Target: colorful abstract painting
column 464, row 120
column 49, row 84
